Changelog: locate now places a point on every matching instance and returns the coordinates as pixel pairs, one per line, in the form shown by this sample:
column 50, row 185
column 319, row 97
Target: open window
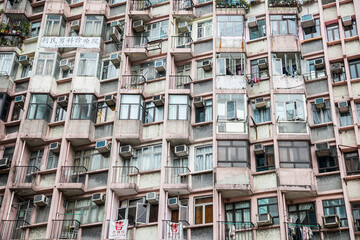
column 230, row 64
column 288, row 64
column 231, row 107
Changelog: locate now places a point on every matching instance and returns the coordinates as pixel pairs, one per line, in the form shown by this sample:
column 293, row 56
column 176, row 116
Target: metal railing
column 175, row 229
column 13, row 229
column 65, row 229
column 139, row 5
column 235, row 230
column 181, row 41
column 177, row 175
column 180, row 81
column 283, row 3
column 136, row 41
column 125, row 174
column 25, row 174
column 133, row 82
column 183, row 5
column 73, row 174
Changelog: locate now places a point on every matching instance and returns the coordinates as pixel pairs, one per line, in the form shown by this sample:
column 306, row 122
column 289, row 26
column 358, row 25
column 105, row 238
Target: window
column 146, row 159
column 8, row 64
column 339, row 76
column 204, row 29
column 60, row 113
column 179, row 107
column 256, row 71
column 290, row 107
column 283, row 24
column 84, row 210
column 131, row 107
column 203, row 1
column 230, row 26
column 350, row 31
column 88, row 65
column 356, row 214
column 312, row 32
column 354, row 68
column 322, row 115
column 231, row 107
column 333, row 32
column 52, row 161
column 231, row 64
column 40, row 107
column 55, row 25
column 35, row 159
column 328, row 163
column 182, row 213
column 148, row 71
column 238, row 212
column 259, row 31
column 26, row 71
column 288, row 64
column 294, row 154
column 72, row 31
column 24, row 210
column 358, row 111
column 42, row 212
column 352, row 163
column 303, row 213
column 345, row 118
column 46, row 64
column 204, row 114
column 203, row 158
column 233, row 154
column 153, row 113
column 104, row 113
column 156, row 31
column 137, row 211
column 201, row 73
column 83, row 107
column 203, row 210
column 35, row 29
column 5, row 101
column 153, row 2
column 17, row 113
column 262, row 114
column 8, row 153
column 336, row 206
column 265, row 161
column 269, row 205
column 91, row 159
column 93, row 26
column 109, row 70
column 313, row 71
column 69, row 72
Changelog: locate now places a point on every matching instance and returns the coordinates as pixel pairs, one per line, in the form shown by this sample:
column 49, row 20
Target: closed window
column 88, row 65
column 35, row 29
column 358, row 111
column 231, row 107
column 8, row 153
column 7, row 64
column 131, row 107
column 52, row 161
column 84, row 107
column 262, row 114
column 257, row 72
column 356, row 213
column 269, row 205
column 230, row 64
column 40, row 107
column 109, row 70
column 345, row 118
column 230, row 26
column 303, row 213
column 294, row 154
column 290, row 107
column 333, row 32
column 266, row 160
column 203, row 158
column 147, row 71
column 26, row 71
column 55, row 25
column 46, row 64
column 313, row 71
column 17, row 113
column 352, row 163
column 84, row 210
column 42, row 212
column 35, row 160
column 336, row 206
column 104, row 113
column 156, row 31
column 283, row 24
column 321, row 115
column 339, row 76
column 312, row 32
column 203, row 210
column 60, row 113
column 179, row 107
column 137, row 211
column 354, row 68
column 238, row 212
column 201, row 73
column 259, row 31
column 153, row 113
column 91, row 159
column 93, row 26
column 204, row 114
column 146, row 159
column 328, row 163
column 350, row 31
column 204, row 29
column 233, row 154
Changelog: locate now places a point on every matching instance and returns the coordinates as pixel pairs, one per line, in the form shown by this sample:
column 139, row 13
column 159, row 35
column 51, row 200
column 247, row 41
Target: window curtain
column 345, row 119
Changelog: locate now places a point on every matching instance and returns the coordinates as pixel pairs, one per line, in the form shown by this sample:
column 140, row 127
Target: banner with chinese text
column 70, row 42
column 118, row 229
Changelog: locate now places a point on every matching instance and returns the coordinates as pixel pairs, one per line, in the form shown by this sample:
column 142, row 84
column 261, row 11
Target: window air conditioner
column 115, row 35
column 307, row 21
column 181, row 150
column 126, row 151
column 98, row 198
column 319, row 103
column 260, row 103
column 319, row 63
column 5, row 163
column 173, row 203
column 62, row 101
column 103, row 146
column 206, row 65
column 322, row 149
column 65, row 65
column 75, row 25
column 331, row 221
column 158, row 100
column 198, row 102
column 110, row 100
column 118, row 25
column 160, row 65
column 343, row 106
column 115, row 58
column 40, row 200
column 262, row 63
column 55, row 147
column 252, row 22
column 259, row 149
column 152, row 197
column 24, row 60
column 347, row 21
column 264, row 219
column 139, row 26
column 336, row 68
column 20, row 101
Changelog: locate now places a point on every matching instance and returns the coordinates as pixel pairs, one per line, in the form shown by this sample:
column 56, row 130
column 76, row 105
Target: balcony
column 183, row 10
column 34, row 131
column 180, row 81
column 182, row 47
column 178, row 131
column 125, row 180
column 128, row 131
column 24, row 180
column 233, row 4
column 237, row 82
column 140, row 10
column 13, row 229
column 177, row 180
column 175, row 230
column 135, row 82
column 80, row 132
column 13, row 30
column 136, row 48
column 65, row 229
column 72, row 180
column 23, row 7
column 284, row 3
column 6, row 81
column 288, row 82
column 235, row 230
column 233, row 181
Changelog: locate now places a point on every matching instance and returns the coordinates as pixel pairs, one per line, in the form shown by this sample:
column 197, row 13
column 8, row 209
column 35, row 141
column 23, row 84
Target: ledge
column 311, row 40
column 256, row 40
column 326, row 174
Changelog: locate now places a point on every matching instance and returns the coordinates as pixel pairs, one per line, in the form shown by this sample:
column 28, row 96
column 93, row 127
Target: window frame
column 326, row 160
column 86, row 157
column 224, row 20
column 82, row 105
column 109, row 113
column 310, row 213
column 268, row 205
column 51, row 30
column 259, row 31
column 37, row 114
column 352, row 161
column 203, row 205
column 71, row 212
column 204, row 114
column 234, row 210
column 179, row 107
column 333, row 209
column 139, row 108
column 124, row 205
column 290, row 147
column 267, row 157
column 321, row 113
column 237, row 146
column 203, row 152
column 152, row 110
column 279, row 23
column 204, row 29
column 45, row 57
column 332, row 32
column 85, row 65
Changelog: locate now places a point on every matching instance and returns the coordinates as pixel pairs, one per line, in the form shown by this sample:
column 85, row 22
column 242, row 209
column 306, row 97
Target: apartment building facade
column 182, row 119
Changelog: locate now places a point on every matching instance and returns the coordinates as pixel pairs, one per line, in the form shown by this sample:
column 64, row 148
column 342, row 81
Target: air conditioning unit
column 307, row 21
column 264, row 219
column 343, row 106
column 347, row 21
column 115, row 58
column 184, row 27
column 19, row 101
column 62, row 101
column 173, row 203
column 65, row 65
column 160, row 65
column 98, row 198
column 252, row 22
column 152, row 197
column 139, row 26
column 126, row 151
column 24, row 60
column 206, row 65
column 198, row 102
column 322, row 149
column 262, row 63
column 55, row 147
column 259, row 149
column 110, row 100
column 118, row 25
column 103, row 146
column 260, row 103
column 181, row 150
column 5, row 163
column 40, row 200
column 75, row 25
column 115, row 35
column 158, row 100
column 331, row 221
column 319, row 103
column 319, row 63
column 336, row 68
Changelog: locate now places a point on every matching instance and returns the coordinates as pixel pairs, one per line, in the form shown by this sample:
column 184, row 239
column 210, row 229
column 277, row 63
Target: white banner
column 70, row 42
column 174, row 230
column 118, row 229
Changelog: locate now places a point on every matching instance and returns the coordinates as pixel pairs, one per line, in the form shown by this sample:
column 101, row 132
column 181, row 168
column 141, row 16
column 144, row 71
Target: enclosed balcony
column 24, row 180
column 136, row 48
column 180, row 81
column 177, row 180
column 125, row 180
column 231, row 230
column 13, row 30
column 65, row 229
column 233, row 181
column 182, row 47
column 135, row 82
column 183, row 9
column 140, row 10
column 13, row 229
column 72, row 180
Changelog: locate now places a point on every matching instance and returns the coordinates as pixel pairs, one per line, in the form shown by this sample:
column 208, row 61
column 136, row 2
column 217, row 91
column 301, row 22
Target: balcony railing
column 175, row 230
column 25, row 174
column 139, row 5
column 314, row 75
column 180, row 81
column 284, row 3
column 233, row 4
column 177, row 175
column 73, row 174
column 65, row 229
column 181, row 41
column 183, row 5
column 13, row 229
column 133, row 82
column 235, row 230
column 125, row 174
column 136, row 41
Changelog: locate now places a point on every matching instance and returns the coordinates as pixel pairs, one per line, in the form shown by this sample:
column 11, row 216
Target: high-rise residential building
column 180, row 119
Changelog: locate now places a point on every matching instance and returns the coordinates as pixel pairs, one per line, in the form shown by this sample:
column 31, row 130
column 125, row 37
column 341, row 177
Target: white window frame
column 204, row 155
column 93, row 22
column 7, row 61
column 89, row 66
column 281, row 114
column 50, row 57
column 114, row 69
column 51, row 30
column 226, row 62
column 205, row 28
